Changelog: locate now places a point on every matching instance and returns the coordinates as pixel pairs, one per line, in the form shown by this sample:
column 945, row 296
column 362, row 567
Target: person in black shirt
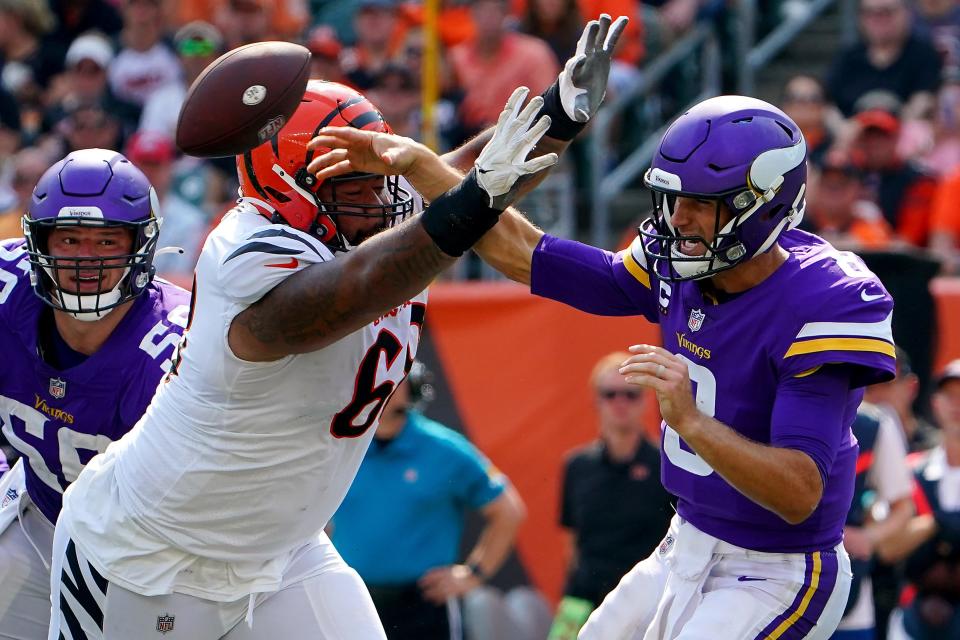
column 889, row 56
column 612, row 504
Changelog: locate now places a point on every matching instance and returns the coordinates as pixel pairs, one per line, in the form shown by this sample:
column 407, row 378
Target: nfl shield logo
column 696, row 319
column 58, row 388
column 165, row 623
column 665, row 545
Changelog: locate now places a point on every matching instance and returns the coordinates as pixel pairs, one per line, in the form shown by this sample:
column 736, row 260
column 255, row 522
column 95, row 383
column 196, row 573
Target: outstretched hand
column 583, row 81
column 346, row 150
column 503, row 161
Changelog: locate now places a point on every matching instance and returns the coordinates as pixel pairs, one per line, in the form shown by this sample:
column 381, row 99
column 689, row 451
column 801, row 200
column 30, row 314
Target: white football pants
column 331, row 604
column 25, row 547
column 696, row 587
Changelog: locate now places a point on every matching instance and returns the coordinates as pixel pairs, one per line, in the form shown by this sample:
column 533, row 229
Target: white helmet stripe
column 767, row 171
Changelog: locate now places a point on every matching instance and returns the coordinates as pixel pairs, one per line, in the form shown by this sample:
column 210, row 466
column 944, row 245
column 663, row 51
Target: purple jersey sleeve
column 808, row 415
column 593, row 280
column 842, row 315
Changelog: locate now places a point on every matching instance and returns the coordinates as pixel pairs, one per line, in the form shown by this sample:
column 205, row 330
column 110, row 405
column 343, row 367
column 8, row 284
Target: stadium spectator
column 197, row 45
column 144, row 62
column 613, row 508
column 837, row 212
column 378, row 32
column 325, row 50
column 184, row 225
column 936, row 144
column 89, row 125
column 897, row 398
column 285, row 19
column 399, row 92
column 486, row 70
column 931, row 540
column 76, row 18
column 900, row 187
column 28, row 61
column 28, row 165
column 556, row 22
column 84, row 79
column 9, row 142
column 87, row 61
column 803, row 98
column 882, row 504
column 673, row 17
column 939, row 21
column 945, row 222
column 422, row 478
column 888, row 56
column 244, row 21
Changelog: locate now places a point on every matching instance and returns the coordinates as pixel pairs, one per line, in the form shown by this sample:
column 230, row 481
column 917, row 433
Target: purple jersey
column 56, row 419
column 822, row 306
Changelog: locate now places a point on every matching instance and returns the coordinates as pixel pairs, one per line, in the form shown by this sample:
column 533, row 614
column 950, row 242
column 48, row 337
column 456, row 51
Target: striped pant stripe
column 82, row 594
column 797, row 620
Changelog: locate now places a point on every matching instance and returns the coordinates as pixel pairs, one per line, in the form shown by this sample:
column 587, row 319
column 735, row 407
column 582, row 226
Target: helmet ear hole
column 772, row 213
column 276, row 195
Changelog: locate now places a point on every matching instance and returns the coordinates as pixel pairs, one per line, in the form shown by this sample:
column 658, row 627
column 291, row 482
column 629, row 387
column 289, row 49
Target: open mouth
column 692, row 248
column 85, row 282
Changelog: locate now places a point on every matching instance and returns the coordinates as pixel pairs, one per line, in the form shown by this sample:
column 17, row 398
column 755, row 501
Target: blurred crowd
column 883, row 124
column 113, row 74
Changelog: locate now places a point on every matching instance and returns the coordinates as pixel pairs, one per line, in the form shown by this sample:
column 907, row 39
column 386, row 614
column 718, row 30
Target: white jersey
column 236, row 465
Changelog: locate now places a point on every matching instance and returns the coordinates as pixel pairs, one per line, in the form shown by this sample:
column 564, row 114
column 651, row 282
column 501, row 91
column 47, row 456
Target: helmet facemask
column 663, row 243
column 50, row 274
column 394, row 206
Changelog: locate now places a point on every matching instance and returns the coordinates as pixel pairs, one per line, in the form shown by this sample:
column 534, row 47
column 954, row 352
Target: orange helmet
column 274, row 175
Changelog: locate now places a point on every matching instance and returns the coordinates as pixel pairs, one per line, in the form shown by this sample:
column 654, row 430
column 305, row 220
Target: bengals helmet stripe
column 364, row 119
column 330, row 116
column 248, row 168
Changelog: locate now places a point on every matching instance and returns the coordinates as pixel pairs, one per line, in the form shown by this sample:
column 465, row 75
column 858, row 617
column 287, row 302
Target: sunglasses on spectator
column 398, row 412
column 627, row 394
column 197, row 48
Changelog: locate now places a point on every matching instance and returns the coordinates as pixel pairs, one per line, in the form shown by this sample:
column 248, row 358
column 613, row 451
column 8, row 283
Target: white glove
column 502, row 162
column 583, row 81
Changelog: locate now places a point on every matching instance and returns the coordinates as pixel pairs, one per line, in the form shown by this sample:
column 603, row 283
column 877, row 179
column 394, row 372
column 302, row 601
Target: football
column 242, row 99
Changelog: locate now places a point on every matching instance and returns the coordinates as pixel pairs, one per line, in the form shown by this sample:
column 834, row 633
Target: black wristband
column 561, row 126
column 460, row 217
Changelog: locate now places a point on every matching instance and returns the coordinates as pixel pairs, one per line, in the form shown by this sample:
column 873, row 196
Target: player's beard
column 362, row 235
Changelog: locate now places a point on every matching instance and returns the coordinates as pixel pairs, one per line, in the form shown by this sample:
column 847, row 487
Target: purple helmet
column 740, row 152
column 91, row 188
